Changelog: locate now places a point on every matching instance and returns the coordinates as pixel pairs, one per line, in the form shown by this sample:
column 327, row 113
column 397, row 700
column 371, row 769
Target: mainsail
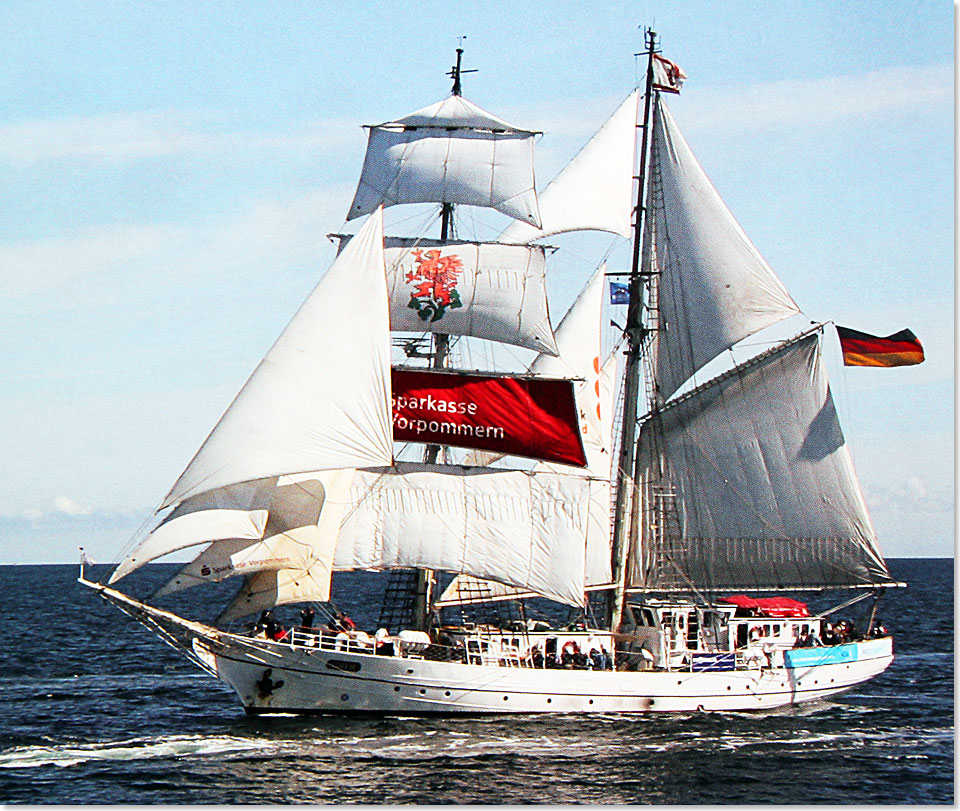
column 763, row 481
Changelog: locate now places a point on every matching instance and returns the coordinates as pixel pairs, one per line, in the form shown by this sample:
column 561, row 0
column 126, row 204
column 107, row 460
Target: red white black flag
column 667, row 75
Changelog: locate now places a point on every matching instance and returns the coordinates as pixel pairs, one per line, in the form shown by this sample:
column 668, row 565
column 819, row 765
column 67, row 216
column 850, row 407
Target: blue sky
column 170, row 170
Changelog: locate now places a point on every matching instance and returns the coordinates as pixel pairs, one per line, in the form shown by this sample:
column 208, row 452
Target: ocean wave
column 174, row 746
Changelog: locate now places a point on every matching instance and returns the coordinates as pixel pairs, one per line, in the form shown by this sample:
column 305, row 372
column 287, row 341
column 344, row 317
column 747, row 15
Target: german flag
column 859, row 349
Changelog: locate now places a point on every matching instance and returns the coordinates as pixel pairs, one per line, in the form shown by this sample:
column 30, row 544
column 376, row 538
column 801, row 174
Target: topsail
column 449, row 152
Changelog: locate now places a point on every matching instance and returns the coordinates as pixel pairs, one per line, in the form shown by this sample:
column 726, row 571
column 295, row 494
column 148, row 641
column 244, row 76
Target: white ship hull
column 315, row 681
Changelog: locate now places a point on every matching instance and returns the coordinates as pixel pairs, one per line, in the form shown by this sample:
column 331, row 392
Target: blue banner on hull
column 811, row 657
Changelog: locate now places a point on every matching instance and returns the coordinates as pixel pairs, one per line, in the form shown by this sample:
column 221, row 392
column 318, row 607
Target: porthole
column 506, row 697
column 591, row 701
column 344, row 697
column 446, row 692
column 423, row 692
column 728, row 686
column 409, row 671
column 396, row 689
column 549, row 701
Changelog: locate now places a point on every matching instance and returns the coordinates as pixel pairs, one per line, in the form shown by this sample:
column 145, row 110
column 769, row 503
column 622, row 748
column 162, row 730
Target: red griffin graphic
column 436, row 287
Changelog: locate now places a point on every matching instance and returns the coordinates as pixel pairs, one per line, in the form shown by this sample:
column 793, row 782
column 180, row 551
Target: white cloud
column 69, row 506
column 917, row 488
column 268, row 234
column 32, row 514
column 125, row 137
column 818, row 102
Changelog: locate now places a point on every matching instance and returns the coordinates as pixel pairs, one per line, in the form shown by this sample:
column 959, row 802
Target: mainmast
column 441, row 351
column 627, row 506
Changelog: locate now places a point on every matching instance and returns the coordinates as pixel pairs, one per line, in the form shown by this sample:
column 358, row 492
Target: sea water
column 97, row 710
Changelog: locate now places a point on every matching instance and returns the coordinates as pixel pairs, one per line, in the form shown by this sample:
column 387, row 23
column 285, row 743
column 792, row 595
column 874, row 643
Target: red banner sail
column 521, row 416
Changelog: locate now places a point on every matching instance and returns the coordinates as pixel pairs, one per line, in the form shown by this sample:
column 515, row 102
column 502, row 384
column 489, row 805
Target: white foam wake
column 26, row 757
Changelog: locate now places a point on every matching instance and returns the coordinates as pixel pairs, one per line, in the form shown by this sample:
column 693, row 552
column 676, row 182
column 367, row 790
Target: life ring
column 569, row 648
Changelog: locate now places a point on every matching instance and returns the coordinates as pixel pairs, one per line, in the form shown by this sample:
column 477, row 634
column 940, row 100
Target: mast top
column 455, row 72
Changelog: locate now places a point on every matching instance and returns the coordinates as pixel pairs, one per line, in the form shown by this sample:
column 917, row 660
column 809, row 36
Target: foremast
column 626, row 513
column 423, row 597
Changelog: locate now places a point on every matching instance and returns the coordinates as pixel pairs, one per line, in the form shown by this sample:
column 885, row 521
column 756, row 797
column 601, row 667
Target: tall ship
column 673, row 504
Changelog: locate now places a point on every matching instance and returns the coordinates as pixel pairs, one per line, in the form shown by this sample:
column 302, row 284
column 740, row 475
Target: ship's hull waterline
column 339, row 682
column 277, row 677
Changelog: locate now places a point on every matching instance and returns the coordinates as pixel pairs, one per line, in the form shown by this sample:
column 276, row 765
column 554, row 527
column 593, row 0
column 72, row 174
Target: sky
column 169, row 173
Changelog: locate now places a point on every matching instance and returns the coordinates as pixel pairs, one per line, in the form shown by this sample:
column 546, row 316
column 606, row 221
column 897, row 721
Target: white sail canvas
column 765, row 484
column 480, row 289
column 449, row 152
column 320, row 398
column 715, row 287
column 595, row 190
column 301, row 532
column 516, row 527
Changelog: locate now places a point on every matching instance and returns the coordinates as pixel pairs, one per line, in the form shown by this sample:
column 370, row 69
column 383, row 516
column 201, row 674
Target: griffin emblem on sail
column 436, row 289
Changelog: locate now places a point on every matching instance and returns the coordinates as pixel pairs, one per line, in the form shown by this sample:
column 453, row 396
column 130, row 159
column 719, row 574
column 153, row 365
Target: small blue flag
column 619, row 293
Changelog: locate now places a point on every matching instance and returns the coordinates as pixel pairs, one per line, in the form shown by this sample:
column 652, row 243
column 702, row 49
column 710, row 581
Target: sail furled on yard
column 449, row 152
column 595, row 190
column 481, row 289
column 320, row 398
column 714, row 286
column 515, row 527
column 764, row 484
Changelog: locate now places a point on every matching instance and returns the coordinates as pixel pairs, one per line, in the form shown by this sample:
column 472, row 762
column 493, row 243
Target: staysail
column 269, row 523
column 594, row 191
column 449, row 152
column 304, row 517
column 763, row 481
column 320, row 398
column 714, row 286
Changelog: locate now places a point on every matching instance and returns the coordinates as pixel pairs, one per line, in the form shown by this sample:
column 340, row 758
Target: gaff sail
column 715, row 287
column 764, row 484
